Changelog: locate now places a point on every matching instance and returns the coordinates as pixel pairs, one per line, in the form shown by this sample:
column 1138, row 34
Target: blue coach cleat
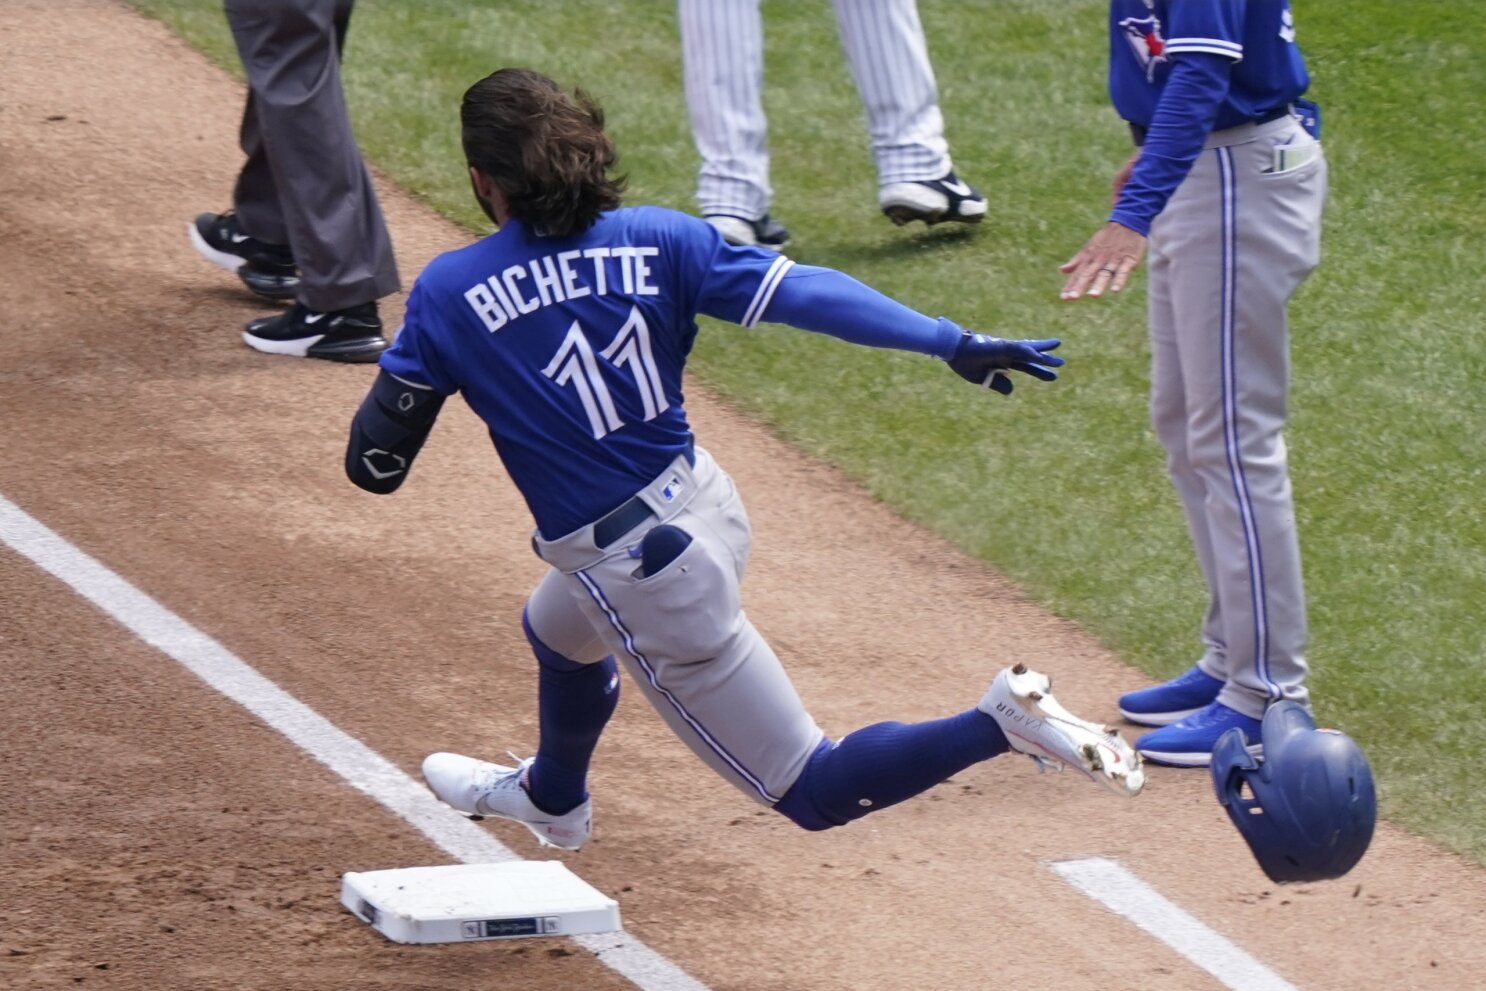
column 1190, row 743
column 1170, row 702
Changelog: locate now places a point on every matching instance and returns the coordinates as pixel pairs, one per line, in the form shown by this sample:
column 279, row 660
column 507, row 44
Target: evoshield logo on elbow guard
column 391, row 464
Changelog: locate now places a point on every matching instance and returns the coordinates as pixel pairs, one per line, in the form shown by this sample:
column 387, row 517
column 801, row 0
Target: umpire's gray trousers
column 304, row 183
column 1234, row 242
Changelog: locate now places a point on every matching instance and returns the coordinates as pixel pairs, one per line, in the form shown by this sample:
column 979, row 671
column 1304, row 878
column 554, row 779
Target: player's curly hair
column 545, row 150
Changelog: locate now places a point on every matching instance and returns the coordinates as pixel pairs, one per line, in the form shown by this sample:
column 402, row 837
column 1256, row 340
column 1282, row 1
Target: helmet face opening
column 1307, row 808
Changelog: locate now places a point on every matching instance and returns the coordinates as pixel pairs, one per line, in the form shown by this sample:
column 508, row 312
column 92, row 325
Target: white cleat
column 934, row 201
column 1021, row 701
column 765, row 232
column 478, row 788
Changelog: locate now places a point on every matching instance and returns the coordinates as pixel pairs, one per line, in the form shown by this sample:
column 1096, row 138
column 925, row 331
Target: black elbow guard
column 389, row 431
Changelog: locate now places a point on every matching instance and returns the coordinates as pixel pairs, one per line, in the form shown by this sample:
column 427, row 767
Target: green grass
column 1062, row 487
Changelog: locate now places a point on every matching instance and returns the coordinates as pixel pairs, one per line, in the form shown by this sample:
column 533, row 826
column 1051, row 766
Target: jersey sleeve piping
column 766, row 290
column 1213, row 46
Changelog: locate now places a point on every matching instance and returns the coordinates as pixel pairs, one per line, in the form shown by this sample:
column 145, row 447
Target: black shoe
column 765, row 232
column 353, row 334
column 933, row 201
column 267, row 269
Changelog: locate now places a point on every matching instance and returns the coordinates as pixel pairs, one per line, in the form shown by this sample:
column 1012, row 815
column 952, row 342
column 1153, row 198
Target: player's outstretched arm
column 829, row 302
column 388, row 432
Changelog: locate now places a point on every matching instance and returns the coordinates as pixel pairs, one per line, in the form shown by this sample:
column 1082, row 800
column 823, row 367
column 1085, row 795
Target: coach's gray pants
column 681, row 633
column 1232, row 245
column 304, row 183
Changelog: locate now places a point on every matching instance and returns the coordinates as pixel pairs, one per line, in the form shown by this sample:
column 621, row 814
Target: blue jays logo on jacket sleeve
column 1146, row 41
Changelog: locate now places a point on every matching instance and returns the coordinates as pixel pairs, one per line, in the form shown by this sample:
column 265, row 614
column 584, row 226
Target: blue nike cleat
column 1172, row 701
column 1190, row 743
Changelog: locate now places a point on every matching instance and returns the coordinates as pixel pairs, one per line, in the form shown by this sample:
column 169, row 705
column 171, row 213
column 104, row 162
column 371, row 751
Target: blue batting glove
column 984, row 360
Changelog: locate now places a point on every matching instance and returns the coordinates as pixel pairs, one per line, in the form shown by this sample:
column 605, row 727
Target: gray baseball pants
column 1231, row 247
column 304, row 183
column 681, row 633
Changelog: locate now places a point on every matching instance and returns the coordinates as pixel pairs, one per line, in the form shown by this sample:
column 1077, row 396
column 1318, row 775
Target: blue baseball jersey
column 571, row 349
column 1257, row 35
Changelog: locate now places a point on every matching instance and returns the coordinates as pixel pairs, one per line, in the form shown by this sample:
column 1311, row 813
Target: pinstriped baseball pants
column 1231, row 247
column 722, row 48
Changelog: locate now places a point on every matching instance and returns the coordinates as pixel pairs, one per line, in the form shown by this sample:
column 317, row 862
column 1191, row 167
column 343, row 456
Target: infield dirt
column 158, row 837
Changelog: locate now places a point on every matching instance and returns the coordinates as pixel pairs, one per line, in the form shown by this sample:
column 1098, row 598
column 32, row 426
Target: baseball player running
column 722, row 48
column 1228, row 184
column 567, row 331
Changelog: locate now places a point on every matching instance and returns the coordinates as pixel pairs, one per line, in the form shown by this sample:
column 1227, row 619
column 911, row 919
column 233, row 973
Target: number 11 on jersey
column 576, row 364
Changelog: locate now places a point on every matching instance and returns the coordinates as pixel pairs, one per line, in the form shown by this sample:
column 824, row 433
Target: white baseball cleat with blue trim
column 1021, row 702
column 934, row 201
column 765, row 232
column 478, row 788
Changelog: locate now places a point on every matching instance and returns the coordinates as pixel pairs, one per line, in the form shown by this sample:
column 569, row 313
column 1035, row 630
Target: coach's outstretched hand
column 984, row 360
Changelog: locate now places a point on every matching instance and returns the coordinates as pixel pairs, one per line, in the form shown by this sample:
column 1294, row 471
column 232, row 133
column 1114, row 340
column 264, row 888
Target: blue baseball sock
column 886, row 763
column 574, row 703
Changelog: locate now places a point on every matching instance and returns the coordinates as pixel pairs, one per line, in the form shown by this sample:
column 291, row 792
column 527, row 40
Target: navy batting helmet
column 1312, row 808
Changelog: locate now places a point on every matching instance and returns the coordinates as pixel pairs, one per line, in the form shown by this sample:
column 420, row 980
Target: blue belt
column 1138, row 131
column 630, row 514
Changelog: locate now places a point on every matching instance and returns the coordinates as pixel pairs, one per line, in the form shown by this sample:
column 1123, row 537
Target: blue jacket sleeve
column 826, row 301
column 1184, row 117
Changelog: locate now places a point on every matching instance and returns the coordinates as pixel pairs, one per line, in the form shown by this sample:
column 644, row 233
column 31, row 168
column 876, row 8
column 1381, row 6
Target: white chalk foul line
column 365, row 770
column 1108, row 882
